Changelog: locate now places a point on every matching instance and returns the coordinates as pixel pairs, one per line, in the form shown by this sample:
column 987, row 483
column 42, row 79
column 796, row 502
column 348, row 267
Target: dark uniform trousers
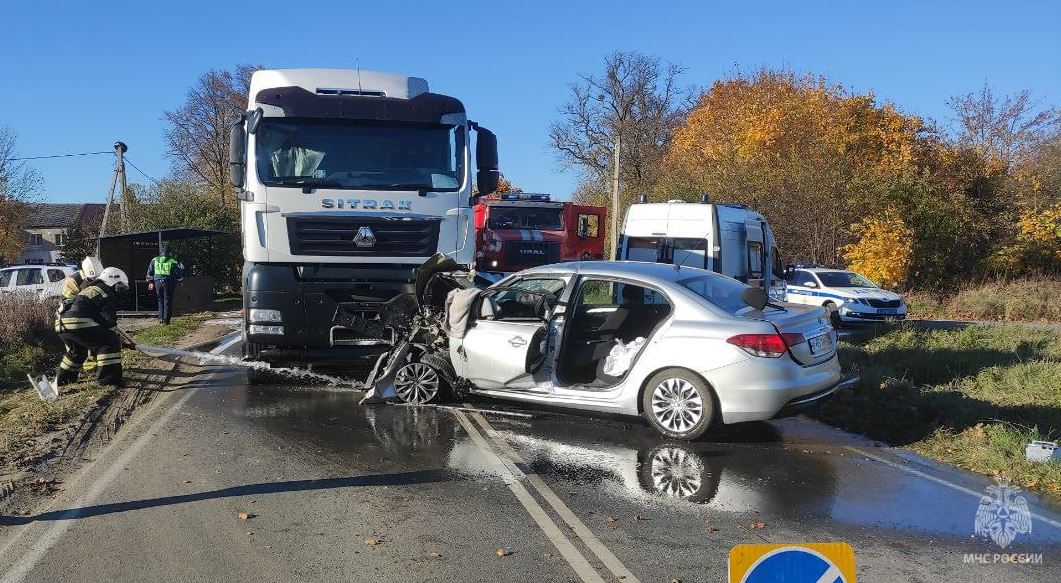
column 102, row 342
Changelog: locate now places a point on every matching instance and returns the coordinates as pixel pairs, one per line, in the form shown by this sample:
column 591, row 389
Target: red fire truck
column 514, row 231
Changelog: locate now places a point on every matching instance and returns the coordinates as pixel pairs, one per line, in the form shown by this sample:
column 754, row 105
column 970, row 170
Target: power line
column 142, row 173
column 57, row 156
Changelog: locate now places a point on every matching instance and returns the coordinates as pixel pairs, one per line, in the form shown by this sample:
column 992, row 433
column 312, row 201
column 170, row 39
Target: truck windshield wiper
column 305, row 181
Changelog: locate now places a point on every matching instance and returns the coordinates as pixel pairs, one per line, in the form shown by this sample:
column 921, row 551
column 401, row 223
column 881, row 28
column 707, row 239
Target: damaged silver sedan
column 683, row 347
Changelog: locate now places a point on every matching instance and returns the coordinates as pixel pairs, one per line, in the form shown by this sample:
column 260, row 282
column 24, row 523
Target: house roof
column 63, row 215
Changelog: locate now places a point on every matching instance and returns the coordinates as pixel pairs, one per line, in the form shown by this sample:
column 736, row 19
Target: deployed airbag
column 622, row 357
column 459, row 304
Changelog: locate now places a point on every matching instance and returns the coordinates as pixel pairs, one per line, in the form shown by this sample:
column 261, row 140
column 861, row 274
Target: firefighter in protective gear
column 91, row 267
column 90, row 325
column 163, row 273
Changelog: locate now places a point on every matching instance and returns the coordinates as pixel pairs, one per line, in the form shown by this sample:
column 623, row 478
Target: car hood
column 869, row 293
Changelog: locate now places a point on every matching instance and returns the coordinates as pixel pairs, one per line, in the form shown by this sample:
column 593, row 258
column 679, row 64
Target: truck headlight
column 261, row 329
column 261, row 315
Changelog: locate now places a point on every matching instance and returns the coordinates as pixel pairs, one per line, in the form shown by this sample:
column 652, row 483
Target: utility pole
column 615, row 196
column 119, row 178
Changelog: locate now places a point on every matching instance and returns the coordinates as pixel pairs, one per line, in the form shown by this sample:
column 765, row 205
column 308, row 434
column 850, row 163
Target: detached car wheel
column 678, row 404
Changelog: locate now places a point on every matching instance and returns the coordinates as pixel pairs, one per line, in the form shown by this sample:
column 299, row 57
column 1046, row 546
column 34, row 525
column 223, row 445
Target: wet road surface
column 340, row 492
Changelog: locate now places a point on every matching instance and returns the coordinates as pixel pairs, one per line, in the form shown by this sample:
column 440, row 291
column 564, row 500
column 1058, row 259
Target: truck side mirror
column 487, row 175
column 237, row 153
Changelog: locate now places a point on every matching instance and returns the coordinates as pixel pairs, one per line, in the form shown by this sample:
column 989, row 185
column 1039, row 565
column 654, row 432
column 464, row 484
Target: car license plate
column 821, row 344
column 888, row 311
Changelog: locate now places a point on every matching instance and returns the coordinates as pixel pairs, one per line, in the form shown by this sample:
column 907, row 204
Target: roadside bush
column 28, row 342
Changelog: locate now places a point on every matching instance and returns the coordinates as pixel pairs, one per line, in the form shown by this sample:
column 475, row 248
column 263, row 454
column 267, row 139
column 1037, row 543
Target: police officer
column 90, row 325
column 163, row 273
column 91, row 267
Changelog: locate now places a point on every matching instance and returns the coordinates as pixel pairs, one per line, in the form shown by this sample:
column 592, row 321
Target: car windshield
column 345, row 154
column 719, row 290
column 534, row 218
column 844, row 279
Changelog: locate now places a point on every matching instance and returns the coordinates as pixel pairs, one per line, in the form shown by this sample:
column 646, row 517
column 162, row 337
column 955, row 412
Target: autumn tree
column 884, row 249
column 19, row 184
column 198, row 130
column 810, row 155
column 1006, row 128
column 636, row 97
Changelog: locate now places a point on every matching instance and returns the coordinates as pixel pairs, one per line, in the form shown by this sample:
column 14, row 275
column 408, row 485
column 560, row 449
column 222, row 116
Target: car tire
column 678, row 404
column 428, row 379
column 834, row 314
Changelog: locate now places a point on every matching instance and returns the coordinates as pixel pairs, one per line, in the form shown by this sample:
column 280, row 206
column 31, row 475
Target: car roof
column 643, row 270
column 824, row 270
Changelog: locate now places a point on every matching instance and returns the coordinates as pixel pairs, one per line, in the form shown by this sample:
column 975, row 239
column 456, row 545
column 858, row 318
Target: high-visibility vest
column 164, row 266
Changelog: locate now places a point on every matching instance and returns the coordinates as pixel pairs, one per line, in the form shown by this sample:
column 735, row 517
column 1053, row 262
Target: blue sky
column 80, row 75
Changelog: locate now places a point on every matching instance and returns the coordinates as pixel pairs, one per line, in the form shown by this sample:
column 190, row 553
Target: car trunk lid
column 806, row 329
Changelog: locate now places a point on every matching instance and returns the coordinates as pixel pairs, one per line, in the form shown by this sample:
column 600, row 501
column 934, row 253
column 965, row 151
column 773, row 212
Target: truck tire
column 255, row 376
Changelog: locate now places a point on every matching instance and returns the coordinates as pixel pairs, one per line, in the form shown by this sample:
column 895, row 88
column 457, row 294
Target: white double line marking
column 513, row 477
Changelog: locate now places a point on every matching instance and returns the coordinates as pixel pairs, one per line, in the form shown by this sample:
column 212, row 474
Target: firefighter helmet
column 92, row 267
column 115, row 278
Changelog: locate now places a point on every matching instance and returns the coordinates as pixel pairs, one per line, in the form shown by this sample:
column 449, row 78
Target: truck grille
column 531, row 253
column 335, row 236
column 883, row 303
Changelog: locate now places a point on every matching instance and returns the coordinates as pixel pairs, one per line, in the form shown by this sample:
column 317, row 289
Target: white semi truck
column 349, row 180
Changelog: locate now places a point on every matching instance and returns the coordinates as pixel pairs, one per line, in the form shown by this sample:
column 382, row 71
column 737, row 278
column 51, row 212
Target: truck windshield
column 536, row 218
column 351, row 154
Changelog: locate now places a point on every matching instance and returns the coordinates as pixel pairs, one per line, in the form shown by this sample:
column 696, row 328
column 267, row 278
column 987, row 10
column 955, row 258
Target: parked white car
column 683, row 347
column 45, row 281
column 848, row 296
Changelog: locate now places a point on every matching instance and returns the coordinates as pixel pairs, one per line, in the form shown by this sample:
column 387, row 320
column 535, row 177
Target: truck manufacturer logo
column 367, row 204
column 365, row 237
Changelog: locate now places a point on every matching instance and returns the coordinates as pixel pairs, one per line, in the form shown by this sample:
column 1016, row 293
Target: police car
column 847, row 295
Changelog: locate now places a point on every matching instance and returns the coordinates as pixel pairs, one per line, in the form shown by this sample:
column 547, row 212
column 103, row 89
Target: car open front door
column 506, row 340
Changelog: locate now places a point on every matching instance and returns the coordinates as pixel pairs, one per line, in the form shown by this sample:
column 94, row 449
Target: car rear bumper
column 807, row 401
column 756, row 388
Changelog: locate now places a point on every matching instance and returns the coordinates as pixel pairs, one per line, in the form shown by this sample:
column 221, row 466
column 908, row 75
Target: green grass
column 1023, row 300
column 972, row 398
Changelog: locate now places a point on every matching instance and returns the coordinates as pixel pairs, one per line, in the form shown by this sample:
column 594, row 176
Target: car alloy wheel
column 676, row 472
column 677, row 405
column 416, row 383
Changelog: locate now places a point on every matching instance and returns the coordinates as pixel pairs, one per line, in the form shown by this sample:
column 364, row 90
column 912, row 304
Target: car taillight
column 768, row 345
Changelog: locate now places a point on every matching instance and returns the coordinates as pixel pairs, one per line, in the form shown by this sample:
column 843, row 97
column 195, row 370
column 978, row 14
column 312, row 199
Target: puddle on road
column 793, row 469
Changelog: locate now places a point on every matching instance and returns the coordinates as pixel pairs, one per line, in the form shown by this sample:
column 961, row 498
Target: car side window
column 30, row 276
column 5, row 278
column 523, row 298
column 802, row 277
column 55, row 275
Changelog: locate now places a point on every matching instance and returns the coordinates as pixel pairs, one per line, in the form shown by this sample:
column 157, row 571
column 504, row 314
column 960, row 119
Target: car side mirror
column 755, row 297
column 809, row 284
column 488, row 309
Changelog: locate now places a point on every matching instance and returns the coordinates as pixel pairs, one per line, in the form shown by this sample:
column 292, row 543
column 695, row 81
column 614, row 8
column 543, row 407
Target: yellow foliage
column 884, row 249
column 1037, row 246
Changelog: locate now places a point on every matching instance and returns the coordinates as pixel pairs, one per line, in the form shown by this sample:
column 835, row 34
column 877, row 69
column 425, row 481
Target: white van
column 45, row 281
column 729, row 239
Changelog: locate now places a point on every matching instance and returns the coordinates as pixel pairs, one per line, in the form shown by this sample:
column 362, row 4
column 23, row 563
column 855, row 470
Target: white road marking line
column 590, row 539
column 940, row 481
column 27, row 561
column 563, row 544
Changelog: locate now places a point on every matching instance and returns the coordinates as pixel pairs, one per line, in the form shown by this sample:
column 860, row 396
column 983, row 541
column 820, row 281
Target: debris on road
column 502, row 552
column 246, row 515
column 757, row 525
column 1042, row 451
column 372, row 541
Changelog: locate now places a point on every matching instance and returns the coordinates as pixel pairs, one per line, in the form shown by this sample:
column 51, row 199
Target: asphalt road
column 338, row 492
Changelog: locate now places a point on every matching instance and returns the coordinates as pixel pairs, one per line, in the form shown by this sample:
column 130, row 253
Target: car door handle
column 517, row 341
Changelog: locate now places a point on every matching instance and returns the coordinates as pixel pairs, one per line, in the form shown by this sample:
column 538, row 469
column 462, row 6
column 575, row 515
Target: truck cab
column 729, row 239
column 516, row 231
column 349, row 180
